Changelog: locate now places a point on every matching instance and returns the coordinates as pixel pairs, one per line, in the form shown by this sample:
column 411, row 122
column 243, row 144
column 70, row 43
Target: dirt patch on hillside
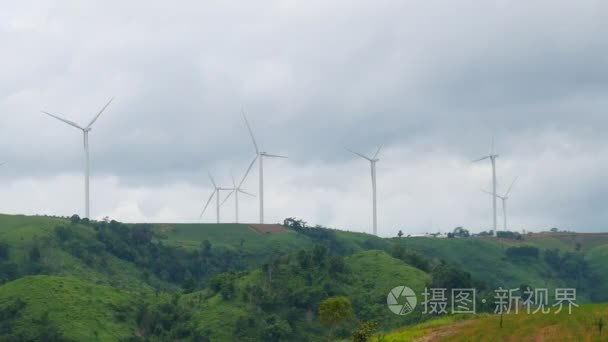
column 268, row 228
column 166, row 229
column 548, row 333
column 440, row 333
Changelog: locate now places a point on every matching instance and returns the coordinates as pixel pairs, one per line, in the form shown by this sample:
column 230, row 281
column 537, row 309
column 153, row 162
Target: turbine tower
column 504, row 199
column 236, row 191
column 216, row 192
column 260, row 155
column 492, row 157
column 85, row 130
column 372, row 162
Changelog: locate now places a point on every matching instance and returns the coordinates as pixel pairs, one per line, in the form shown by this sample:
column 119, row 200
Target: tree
column 461, row 232
column 364, row 331
column 522, row 252
column 319, row 254
column 277, row 329
column 335, row 310
column 34, row 254
column 4, row 251
column 294, row 223
column 206, row 248
column 448, row 277
column 189, row 285
column 336, row 265
column 400, row 234
column 75, row 219
column 552, row 258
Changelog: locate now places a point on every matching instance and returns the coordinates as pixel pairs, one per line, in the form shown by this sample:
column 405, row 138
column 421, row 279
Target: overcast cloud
column 433, row 81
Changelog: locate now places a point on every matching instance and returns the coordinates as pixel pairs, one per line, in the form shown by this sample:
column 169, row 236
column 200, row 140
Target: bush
column 4, row 251
column 364, row 331
column 522, row 252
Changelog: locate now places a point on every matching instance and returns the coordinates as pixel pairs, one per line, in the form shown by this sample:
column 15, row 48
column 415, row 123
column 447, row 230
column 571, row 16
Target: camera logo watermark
column 401, row 300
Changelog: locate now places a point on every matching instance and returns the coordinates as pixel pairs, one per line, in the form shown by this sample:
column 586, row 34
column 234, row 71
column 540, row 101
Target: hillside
column 581, row 325
column 487, row 261
column 71, row 308
column 85, row 280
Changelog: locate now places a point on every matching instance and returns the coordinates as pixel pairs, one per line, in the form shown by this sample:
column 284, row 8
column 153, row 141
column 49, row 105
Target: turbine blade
column 227, row 197
column 246, row 193
column 511, row 187
column 480, row 159
column 359, row 154
column 247, row 172
column 274, row 156
column 487, row 192
column 212, row 181
column 71, row 123
column 491, row 194
column 377, row 152
column 233, row 181
column 207, row 204
column 255, row 144
column 101, row 111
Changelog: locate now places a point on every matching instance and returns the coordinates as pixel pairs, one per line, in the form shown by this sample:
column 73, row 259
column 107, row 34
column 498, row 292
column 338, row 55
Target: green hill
column 488, row 262
column 71, row 308
column 87, row 280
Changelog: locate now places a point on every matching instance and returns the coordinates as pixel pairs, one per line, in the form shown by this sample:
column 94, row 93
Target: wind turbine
column 492, row 157
column 504, row 199
column 372, row 162
column 216, row 192
column 236, row 191
column 85, row 130
column 260, row 155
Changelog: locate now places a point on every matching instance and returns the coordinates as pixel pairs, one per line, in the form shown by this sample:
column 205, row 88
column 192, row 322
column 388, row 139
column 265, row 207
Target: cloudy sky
column 434, row 81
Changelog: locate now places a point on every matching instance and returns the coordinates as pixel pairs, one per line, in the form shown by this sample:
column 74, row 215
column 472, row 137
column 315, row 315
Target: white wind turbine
column 236, row 191
column 216, row 192
column 85, row 130
column 492, row 158
column 504, row 199
column 260, row 155
column 372, row 162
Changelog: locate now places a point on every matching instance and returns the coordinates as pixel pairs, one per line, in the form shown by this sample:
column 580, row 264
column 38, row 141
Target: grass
column 22, row 233
column 81, row 311
column 486, row 260
column 373, row 275
column 581, row 325
column 237, row 237
column 597, row 263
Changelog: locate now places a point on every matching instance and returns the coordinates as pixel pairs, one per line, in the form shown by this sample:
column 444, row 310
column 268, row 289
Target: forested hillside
column 73, row 279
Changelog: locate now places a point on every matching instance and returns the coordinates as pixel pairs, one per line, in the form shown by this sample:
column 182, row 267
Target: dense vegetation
column 73, row 279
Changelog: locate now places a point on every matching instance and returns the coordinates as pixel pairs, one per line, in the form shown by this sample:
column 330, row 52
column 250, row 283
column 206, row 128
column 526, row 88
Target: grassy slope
column 80, row 310
column 257, row 247
column 579, row 326
column 597, row 259
column 486, row 260
column 22, row 233
column 374, row 275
